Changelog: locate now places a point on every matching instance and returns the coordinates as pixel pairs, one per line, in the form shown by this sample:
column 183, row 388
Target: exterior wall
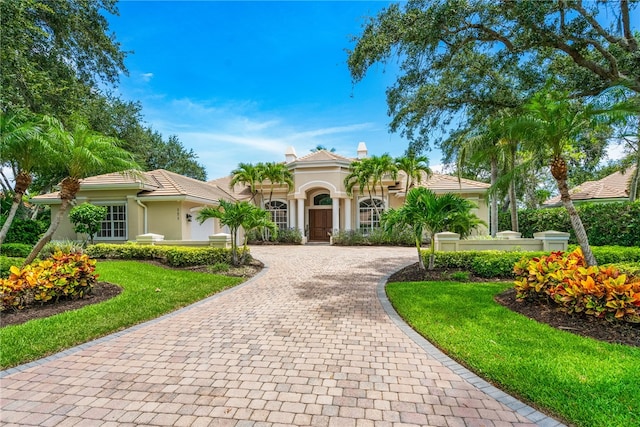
column 168, row 219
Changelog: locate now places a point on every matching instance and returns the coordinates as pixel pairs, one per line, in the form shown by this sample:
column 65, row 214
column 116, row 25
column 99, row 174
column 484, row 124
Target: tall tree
column 549, row 129
column 415, row 167
column 277, row 174
column 249, row 175
column 237, row 215
column 55, row 53
column 382, row 167
column 23, row 148
column 462, row 55
column 79, row 154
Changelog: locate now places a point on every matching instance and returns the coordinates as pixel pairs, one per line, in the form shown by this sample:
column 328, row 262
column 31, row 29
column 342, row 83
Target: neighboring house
column 159, row 202
column 612, row 188
column 317, row 205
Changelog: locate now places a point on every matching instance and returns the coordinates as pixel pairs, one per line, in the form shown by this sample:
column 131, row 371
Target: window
column 114, row 226
column 278, row 212
column 322, row 200
column 369, row 211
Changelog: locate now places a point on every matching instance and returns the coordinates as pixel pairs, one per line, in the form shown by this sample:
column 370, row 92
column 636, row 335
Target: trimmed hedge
column 500, row 264
column 24, row 230
column 606, row 223
column 174, row 256
column 20, row 250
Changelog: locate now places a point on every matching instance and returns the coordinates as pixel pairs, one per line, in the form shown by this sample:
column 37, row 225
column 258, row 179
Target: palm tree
column 552, row 123
column 426, row 212
column 481, row 146
column 414, row 166
column 382, row 167
column 24, row 149
column 247, row 174
column 79, row 154
column 258, row 219
column 235, row 215
column 277, row 174
column 360, row 174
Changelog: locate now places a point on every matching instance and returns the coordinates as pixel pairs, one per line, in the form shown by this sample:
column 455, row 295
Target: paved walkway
column 307, row 342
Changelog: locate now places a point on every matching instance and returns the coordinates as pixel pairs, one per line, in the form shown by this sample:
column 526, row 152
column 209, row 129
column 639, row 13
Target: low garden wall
column 504, row 241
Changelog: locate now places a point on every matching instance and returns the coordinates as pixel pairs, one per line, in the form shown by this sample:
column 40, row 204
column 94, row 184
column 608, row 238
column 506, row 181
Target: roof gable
column 322, row 156
column 614, row 186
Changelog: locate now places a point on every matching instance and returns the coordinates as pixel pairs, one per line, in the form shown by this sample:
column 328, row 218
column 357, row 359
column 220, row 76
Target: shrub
column 69, row 276
column 62, row 276
column 377, row 237
column 219, row 267
column 87, row 218
column 14, row 290
column 21, row 250
column 6, row 263
column 175, row 256
column 460, row 276
column 64, row 246
column 24, row 230
column 290, row 236
column 349, row 238
column 605, row 223
column 481, row 263
column 182, row 257
column 566, row 280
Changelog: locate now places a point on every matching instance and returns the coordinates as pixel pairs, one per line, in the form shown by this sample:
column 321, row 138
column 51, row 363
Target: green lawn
column 138, row 302
column 586, row 382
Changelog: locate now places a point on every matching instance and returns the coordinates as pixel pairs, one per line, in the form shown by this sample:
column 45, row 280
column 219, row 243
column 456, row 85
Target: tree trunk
column 558, row 169
column 634, row 183
column 420, row 260
column 23, row 181
column 46, row 237
column 513, row 207
column 512, row 192
column 494, row 199
column 432, row 255
column 576, row 223
column 7, row 223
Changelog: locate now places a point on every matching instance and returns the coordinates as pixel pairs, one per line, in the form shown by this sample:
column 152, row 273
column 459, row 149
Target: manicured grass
column 149, row 292
column 584, row 381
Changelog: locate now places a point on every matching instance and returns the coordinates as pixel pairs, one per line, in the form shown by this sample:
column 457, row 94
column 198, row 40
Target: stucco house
column 165, row 203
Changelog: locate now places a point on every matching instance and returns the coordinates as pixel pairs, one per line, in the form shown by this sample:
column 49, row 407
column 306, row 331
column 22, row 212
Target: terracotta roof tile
column 614, row 186
column 322, row 155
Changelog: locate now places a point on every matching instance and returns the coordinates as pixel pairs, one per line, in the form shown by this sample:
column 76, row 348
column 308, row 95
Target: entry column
column 300, row 213
column 335, row 224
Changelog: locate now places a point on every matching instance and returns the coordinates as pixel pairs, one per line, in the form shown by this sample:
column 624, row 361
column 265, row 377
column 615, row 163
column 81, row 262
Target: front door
column 320, row 224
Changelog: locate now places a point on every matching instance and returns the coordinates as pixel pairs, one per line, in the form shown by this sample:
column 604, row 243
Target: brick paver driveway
column 305, row 343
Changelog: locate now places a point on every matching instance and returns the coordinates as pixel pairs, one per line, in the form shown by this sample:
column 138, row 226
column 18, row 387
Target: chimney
column 290, row 155
column 362, row 150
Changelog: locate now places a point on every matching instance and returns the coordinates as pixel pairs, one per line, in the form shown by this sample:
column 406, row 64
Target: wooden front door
column 320, row 224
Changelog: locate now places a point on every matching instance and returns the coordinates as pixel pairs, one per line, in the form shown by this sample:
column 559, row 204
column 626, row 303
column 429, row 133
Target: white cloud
column 146, row 77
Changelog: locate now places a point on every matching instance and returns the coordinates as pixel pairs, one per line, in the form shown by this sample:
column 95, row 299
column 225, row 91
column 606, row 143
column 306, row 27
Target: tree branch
column 591, row 20
column 626, row 26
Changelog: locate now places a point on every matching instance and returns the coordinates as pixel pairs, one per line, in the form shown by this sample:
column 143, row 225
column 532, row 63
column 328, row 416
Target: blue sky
column 242, row 81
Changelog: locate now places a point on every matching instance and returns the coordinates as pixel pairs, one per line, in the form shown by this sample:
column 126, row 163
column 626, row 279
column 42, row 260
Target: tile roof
column 439, row 182
column 156, row 183
column 322, row 155
column 239, row 191
column 614, row 186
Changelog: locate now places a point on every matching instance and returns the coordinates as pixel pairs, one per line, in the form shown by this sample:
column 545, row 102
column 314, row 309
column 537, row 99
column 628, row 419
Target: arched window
column 369, row 214
column 323, row 199
column 278, row 212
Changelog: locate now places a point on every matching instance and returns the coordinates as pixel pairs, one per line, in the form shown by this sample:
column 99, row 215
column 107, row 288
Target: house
column 165, row 203
column 612, row 188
